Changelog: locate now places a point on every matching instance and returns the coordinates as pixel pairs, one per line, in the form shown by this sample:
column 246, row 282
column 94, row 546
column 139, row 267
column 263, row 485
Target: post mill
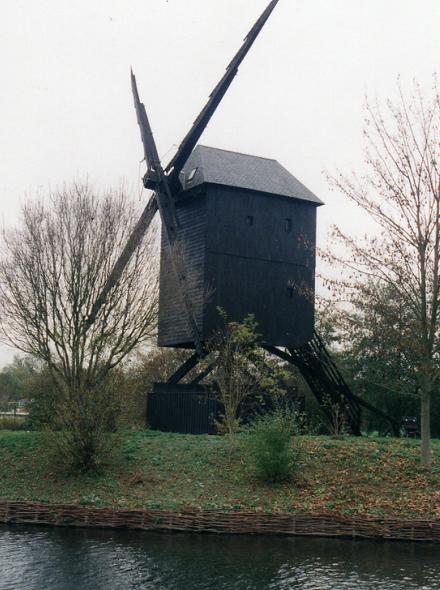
column 247, row 236
column 238, row 232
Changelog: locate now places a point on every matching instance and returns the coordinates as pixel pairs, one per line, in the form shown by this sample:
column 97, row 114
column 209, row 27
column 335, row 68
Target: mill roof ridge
column 209, row 165
column 209, row 147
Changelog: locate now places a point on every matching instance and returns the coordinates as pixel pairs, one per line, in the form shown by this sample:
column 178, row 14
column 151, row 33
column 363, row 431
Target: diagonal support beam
column 184, row 369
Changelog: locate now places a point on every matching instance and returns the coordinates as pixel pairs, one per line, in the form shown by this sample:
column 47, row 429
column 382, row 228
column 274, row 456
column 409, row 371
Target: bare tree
column 401, row 193
column 52, row 269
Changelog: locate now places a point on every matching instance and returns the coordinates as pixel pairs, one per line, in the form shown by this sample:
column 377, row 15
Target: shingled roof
column 215, row 166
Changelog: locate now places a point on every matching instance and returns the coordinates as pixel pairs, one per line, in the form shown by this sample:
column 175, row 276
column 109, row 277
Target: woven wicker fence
column 203, row 521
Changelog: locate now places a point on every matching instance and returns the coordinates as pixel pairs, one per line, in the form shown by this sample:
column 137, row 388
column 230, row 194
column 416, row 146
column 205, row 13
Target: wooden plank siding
column 173, row 324
column 184, row 408
column 246, row 252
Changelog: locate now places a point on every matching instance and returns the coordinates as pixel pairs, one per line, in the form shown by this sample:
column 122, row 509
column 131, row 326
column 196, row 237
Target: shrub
column 240, row 370
column 44, row 399
column 14, row 423
column 272, row 449
column 82, row 435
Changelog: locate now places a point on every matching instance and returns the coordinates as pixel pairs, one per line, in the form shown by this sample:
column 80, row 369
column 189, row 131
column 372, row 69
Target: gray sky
column 66, row 107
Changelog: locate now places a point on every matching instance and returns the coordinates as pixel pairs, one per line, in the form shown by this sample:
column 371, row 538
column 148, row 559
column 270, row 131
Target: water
column 79, row 559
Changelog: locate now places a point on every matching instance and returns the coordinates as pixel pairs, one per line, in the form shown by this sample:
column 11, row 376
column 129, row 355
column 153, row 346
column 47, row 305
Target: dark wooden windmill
column 247, row 236
column 238, row 232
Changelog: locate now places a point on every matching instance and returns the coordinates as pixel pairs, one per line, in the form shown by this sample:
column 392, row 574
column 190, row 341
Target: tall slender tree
column 400, row 191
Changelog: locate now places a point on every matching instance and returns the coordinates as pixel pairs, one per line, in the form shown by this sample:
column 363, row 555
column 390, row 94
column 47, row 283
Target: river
column 36, row 558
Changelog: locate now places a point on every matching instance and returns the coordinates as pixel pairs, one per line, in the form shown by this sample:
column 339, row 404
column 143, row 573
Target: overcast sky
column 67, row 112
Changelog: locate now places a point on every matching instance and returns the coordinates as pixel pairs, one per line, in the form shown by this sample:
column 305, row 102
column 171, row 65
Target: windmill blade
column 150, row 150
column 157, row 180
column 133, row 242
column 163, row 181
column 199, row 125
column 137, row 235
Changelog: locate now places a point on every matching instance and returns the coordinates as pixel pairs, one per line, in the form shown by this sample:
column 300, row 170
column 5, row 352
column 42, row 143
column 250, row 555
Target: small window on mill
column 287, row 225
column 191, row 175
column 290, row 292
column 249, row 220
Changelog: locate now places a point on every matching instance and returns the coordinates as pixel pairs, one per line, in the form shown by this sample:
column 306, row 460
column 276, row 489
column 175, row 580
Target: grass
column 365, row 476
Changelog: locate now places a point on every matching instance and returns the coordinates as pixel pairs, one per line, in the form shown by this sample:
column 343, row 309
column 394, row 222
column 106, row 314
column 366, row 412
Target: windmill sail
column 165, row 183
column 164, row 199
column 199, row 125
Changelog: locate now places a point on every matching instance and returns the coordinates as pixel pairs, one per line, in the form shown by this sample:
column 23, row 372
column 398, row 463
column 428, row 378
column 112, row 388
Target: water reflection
column 71, row 559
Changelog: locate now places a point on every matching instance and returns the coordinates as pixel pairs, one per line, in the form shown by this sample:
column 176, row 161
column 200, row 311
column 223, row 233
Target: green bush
column 272, row 448
column 14, row 423
column 83, row 434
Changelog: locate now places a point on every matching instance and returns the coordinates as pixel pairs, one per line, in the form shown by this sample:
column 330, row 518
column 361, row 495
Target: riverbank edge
column 237, row 522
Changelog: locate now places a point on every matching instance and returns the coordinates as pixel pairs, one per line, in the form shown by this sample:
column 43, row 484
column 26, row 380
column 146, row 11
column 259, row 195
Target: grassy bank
column 367, row 476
